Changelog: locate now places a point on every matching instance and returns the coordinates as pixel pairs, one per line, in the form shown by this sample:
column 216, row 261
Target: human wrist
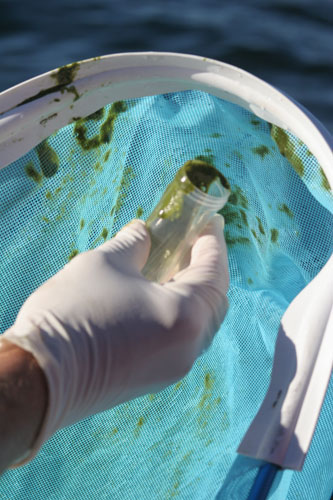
column 23, row 401
column 75, row 365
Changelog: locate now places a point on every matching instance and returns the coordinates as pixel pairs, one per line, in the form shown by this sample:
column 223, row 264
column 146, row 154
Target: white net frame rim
column 33, row 110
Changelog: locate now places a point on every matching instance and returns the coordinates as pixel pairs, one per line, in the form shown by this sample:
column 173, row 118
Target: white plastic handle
column 282, row 430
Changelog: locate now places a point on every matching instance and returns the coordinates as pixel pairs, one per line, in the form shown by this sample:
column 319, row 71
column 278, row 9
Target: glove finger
column 207, row 230
column 130, row 246
column 208, row 268
column 204, row 283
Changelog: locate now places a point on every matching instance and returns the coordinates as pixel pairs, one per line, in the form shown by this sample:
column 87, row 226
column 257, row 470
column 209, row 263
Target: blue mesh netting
column 78, row 188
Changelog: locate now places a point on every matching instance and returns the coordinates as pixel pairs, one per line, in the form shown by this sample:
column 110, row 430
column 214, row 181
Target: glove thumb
column 130, row 247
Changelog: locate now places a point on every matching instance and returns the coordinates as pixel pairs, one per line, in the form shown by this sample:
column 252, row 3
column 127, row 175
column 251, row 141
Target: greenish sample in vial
column 196, row 193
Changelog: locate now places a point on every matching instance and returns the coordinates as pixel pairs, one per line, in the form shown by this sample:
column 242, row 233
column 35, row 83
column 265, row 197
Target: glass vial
column 197, row 192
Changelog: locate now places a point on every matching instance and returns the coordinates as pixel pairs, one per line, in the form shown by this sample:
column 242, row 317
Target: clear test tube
column 197, row 192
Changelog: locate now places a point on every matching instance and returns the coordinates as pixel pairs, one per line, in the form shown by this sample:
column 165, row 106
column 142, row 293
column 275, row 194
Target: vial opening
column 202, row 175
column 209, row 186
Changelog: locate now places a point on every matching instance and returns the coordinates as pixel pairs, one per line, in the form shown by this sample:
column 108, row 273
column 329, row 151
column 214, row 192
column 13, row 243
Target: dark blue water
column 288, row 43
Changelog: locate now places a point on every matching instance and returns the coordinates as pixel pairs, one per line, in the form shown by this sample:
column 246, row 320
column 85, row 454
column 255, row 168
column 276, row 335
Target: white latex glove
column 103, row 334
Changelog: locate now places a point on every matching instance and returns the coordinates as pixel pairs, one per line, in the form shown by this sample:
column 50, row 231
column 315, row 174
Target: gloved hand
column 103, row 334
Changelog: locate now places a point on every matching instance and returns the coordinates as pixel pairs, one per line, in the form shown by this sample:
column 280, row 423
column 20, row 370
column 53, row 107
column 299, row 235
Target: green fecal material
column 139, row 212
column 228, row 212
column 284, row 208
column 48, row 195
column 106, row 129
column 102, row 236
column 255, row 122
column 97, row 115
column 229, row 215
column 209, row 381
column 32, row 173
column 281, row 138
column 297, row 164
column 261, row 227
column 274, row 235
column 66, row 74
column 231, row 241
column 138, row 427
column 287, row 149
column 45, row 120
column 71, row 89
column 238, row 197
column 235, row 217
column 324, row 181
column 105, row 233
column 63, row 77
column 128, row 175
column 82, row 223
column 73, row 254
column 261, row 151
column 250, row 281
column 178, row 385
column 208, row 158
column 193, row 174
column 216, row 135
column 106, row 156
column 64, row 182
column 48, row 158
column 208, row 386
column 62, row 213
column 98, row 167
column 46, row 219
column 202, row 174
column 207, row 404
column 255, row 234
column 244, row 217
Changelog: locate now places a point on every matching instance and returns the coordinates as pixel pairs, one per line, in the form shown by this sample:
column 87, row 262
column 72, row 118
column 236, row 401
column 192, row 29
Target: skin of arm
column 23, row 402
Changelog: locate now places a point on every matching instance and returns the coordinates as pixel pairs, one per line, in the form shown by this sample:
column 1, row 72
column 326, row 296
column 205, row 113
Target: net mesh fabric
column 77, row 189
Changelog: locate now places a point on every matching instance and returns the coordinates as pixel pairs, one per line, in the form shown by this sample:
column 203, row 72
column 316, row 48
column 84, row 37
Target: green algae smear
column 32, row 173
column 287, row 149
column 106, row 129
column 48, row 158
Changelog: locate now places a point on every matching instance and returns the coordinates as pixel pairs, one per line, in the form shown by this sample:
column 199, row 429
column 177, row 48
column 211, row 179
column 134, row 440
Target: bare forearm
column 23, row 401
